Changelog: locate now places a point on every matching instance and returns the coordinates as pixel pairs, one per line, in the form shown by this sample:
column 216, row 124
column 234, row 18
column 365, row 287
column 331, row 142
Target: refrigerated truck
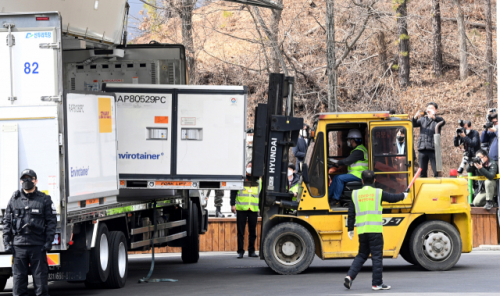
column 115, row 162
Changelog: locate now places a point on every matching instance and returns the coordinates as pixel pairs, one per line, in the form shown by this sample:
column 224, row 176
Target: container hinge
column 60, row 139
column 56, row 45
column 11, row 41
column 51, row 98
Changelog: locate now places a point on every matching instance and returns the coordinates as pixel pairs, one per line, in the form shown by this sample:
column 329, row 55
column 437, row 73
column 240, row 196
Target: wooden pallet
column 485, row 228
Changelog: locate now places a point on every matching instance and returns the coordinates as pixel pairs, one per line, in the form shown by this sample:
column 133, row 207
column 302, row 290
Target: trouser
column 424, row 156
column 297, row 164
column 26, row 257
column 241, row 221
column 337, row 186
column 488, row 194
column 219, row 194
column 369, row 243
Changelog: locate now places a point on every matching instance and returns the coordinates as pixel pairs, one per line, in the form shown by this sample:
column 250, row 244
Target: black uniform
column 29, row 226
column 425, row 143
column 370, row 243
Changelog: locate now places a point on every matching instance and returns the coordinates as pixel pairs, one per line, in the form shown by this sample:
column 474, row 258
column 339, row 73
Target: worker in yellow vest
column 293, row 181
column 356, row 163
column 245, row 204
column 366, row 209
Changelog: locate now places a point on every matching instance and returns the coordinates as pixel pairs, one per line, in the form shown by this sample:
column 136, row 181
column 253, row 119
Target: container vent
column 73, row 83
column 153, row 73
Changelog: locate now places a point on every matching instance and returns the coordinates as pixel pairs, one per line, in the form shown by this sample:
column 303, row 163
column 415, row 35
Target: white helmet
column 354, row 134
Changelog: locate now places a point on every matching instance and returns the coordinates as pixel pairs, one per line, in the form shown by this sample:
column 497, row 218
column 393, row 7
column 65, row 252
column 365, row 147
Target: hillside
column 229, row 50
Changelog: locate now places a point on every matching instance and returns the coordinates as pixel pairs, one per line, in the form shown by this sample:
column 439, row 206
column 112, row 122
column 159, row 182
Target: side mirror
column 305, row 173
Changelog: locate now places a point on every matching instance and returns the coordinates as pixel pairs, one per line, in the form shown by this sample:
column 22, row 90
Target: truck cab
column 430, row 228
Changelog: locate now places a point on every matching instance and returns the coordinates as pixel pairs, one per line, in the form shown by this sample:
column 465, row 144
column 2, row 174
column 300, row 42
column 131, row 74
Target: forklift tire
column 405, row 252
column 99, row 263
column 3, row 281
column 289, row 248
column 436, row 245
column 191, row 244
column 119, row 261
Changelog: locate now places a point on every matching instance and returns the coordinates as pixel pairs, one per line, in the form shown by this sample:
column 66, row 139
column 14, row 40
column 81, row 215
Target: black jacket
column 356, row 155
column 471, row 142
column 300, row 150
column 388, row 197
column 489, row 172
column 31, row 225
column 427, row 131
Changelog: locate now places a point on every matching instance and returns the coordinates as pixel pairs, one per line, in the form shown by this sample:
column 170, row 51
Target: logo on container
column 144, row 155
column 79, row 172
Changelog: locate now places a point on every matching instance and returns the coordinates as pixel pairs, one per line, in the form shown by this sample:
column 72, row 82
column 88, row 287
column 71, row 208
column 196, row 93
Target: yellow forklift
column 430, row 228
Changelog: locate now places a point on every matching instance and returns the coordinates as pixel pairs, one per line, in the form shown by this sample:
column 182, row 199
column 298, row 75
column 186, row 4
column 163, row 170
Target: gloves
column 350, row 234
column 406, row 194
column 334, row 160
column 8, row 249
column 47, row 247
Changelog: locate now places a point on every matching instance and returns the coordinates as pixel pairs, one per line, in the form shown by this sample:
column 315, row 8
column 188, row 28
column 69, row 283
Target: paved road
column 222, row 274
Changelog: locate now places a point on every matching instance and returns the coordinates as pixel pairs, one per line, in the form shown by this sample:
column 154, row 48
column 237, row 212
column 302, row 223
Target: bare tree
column 330, row 56
column 404, row 43
column 437, row 61
column 186, row 14
column 382, row 51
column 462, row 40
column 489, row 54
column 275, row 28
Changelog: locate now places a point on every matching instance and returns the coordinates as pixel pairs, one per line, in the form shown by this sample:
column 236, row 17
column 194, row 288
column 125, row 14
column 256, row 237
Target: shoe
column 347, row 282
column 488, row 205
column 218, row 213
column 240, row 255
column 381, row 287
column 253, row 254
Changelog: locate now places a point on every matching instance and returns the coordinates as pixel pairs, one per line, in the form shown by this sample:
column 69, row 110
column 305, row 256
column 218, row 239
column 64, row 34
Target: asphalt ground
column 477, row 273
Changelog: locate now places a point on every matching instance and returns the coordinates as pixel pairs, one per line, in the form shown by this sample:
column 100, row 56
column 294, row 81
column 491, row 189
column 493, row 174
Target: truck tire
column 191, row 244
column 436, row 245
column 99, row 259
column 289, row 248
column 119, row 261
column 405, row 252
column 3, row 281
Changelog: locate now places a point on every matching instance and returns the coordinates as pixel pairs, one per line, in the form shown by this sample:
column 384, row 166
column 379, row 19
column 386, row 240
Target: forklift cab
column 390, row 155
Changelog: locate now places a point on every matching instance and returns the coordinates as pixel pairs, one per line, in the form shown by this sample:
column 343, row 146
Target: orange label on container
column 105, row 123
column 92, row 201
column 171, row 183
column 53, row 259
column 122, row 182
column 161, row 119
column 223, row 184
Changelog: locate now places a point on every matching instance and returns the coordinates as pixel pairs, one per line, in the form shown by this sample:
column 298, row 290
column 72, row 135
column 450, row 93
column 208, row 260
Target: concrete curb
column 487, row 248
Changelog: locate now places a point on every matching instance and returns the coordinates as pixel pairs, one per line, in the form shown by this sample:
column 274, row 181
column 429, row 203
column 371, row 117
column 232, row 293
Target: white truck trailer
column 117, row 139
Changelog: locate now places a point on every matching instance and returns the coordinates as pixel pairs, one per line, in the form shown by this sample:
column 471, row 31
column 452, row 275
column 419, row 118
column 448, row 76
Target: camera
column 488, row 125
column 476, row 160
column 462, row 124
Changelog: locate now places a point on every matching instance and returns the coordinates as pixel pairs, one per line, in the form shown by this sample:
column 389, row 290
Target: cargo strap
column 148, row 278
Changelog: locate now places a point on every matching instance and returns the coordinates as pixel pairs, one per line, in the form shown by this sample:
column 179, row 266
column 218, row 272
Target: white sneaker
column 347, row 282
column 381, row 287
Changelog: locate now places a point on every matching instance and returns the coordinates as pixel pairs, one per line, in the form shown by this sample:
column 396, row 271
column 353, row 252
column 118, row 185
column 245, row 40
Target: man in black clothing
column 469, row 140
column 371, row 239
column 29, row 228
column 300, row 150
column 489, row 169
column 425, row 144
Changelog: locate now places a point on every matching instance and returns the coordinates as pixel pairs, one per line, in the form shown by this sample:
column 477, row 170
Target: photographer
column 469, row 138
column 490, row 135
column 488, row 168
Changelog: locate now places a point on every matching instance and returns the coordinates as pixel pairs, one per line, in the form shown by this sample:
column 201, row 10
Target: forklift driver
column 356, row 163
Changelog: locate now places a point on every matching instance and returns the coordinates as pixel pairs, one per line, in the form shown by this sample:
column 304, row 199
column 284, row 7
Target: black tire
column 299, row 245
column 3, row 281
column 99, row 264
column 191, row 244
column 405, row 252
column 119, row 261
column 436, row 245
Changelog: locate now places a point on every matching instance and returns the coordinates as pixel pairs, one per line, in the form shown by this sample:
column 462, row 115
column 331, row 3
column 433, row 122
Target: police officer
column 366, row 209
column 245, row 203
column 29, row 228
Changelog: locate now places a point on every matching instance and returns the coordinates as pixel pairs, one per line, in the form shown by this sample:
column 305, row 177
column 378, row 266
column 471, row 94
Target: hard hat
column 354, row 134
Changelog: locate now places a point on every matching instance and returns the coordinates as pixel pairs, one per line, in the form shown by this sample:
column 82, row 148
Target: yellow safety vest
column 248, row 199
column 361, row 165
column 368, row 209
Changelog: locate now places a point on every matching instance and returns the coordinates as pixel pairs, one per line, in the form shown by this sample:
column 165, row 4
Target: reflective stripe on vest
column 361, row 165
column 368, row 210
column 295, row 189
column 248, row 199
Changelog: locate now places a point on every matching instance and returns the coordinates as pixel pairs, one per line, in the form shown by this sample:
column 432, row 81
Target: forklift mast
column 275, row 131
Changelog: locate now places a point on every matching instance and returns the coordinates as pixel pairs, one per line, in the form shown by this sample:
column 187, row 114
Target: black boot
column 488, row 205
column 240, row 255
column 218, row 213
column 252, row 254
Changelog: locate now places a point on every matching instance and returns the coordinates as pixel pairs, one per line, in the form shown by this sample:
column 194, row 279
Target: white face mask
column 467, row 132
column 349, row 143
column 290, row 173
column 249, row 171
column 303, row 133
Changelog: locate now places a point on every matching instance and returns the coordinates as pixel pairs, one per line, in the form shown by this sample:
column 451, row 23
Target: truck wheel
column 289, row 248
column 191, row 244
column 99, row 259
column 436, row 245
column 3, row 282
column 119, row 261
column 405, row 252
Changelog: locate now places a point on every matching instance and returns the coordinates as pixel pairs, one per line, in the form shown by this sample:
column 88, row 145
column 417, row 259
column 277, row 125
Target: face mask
column 467, row 132
column 28, row 184
column 349, row 143
column 303, row 133
column 290, row 172
column 249, row 171
column 401, row 138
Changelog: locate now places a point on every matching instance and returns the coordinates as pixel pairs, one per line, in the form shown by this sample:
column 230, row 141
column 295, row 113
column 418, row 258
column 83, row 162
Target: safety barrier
column 485, row 228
